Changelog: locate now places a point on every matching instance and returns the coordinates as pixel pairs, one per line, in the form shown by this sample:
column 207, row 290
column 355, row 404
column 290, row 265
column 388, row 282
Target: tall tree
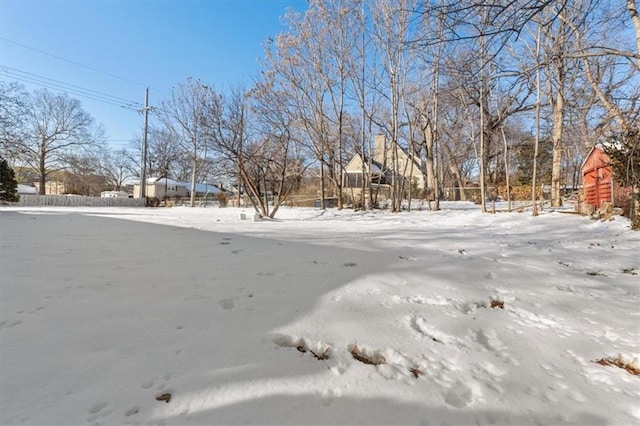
column 315, row 60
column 8, row 184
column 185, row 114
column 83, row 174
column 13, row 103
column 116, row 167
column 393, row 27
column 55, row 125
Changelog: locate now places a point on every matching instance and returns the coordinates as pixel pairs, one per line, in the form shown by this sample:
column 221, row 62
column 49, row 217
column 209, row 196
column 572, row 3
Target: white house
column 162, row 188
column 26, row 189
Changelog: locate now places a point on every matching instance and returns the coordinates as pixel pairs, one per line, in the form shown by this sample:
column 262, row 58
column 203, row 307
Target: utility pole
column 143, row 166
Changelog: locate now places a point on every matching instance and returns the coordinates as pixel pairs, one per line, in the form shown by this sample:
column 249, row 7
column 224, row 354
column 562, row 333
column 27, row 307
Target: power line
column 78, row 64
column 50, row 83
column 56, row 87
column 72, row 86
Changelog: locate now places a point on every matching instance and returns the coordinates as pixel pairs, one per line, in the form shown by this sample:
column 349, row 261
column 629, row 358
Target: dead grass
column 323, row 356
column 497, row 304
column 416, row 372
column 620, row 363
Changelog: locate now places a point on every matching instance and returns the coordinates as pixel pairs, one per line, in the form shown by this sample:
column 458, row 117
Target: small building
column 161, row 188
column 597, row 178
column 26, row 189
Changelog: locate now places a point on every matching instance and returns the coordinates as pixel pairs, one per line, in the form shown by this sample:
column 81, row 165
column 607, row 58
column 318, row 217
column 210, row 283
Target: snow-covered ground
column 316, row 317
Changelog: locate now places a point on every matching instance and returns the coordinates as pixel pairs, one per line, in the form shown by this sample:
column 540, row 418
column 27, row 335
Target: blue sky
column 157, row 43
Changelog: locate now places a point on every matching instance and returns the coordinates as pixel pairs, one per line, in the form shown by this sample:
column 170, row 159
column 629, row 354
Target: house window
column 353, row 180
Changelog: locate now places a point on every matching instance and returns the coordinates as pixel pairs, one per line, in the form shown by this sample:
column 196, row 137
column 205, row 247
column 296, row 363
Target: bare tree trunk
column 322, row 189
column 635, row 19
column 506, row 166
column 194, row 174
column 339, row 181
column 534, row 200
column 483, row 157
column 363, row 106
column 605, row 98
column 432, row 185
column 436, row 92
column 457, row 176
column 42, row 170
column 557, row 53
column 556, row 139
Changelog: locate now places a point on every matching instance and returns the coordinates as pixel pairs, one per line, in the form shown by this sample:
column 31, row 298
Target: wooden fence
column 76, row 200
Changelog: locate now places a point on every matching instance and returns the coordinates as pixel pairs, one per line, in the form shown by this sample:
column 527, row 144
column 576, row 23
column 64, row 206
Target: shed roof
column 26, row 189
column 590, row 161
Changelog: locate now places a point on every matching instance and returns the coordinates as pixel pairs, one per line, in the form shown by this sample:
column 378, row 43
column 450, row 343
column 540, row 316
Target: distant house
column 163, row 187
column 380, row 169
column 52, row 187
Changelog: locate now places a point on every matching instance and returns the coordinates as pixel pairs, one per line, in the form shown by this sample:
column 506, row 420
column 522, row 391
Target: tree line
column 492, row 94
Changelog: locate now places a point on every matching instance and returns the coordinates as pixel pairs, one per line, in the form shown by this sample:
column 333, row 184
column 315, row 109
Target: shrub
column 8, row 184
column 223, row 199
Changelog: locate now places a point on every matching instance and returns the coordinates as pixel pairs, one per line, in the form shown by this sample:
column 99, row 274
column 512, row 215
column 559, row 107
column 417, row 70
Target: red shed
column 597, row 178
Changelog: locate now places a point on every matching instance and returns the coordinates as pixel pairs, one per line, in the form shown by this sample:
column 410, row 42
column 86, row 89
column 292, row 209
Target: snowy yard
column 422, row 318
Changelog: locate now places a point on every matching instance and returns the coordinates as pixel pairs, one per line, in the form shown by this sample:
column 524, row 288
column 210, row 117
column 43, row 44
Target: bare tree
column 83, row 175
column 116, row 167
column 264, row 157
column 315, row 60
column 13, row 109
column 274, row 156
column 393, row 29
column 185, row 115
column 556, row 91
column 632, row 8
column 165, row 156
column 55, row 125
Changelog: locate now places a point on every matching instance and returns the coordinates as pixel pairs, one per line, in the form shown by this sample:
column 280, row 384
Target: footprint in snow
column 97, row 407
column 131, row 412
column 462, row 395
column 5, row 324
column 226, row 303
